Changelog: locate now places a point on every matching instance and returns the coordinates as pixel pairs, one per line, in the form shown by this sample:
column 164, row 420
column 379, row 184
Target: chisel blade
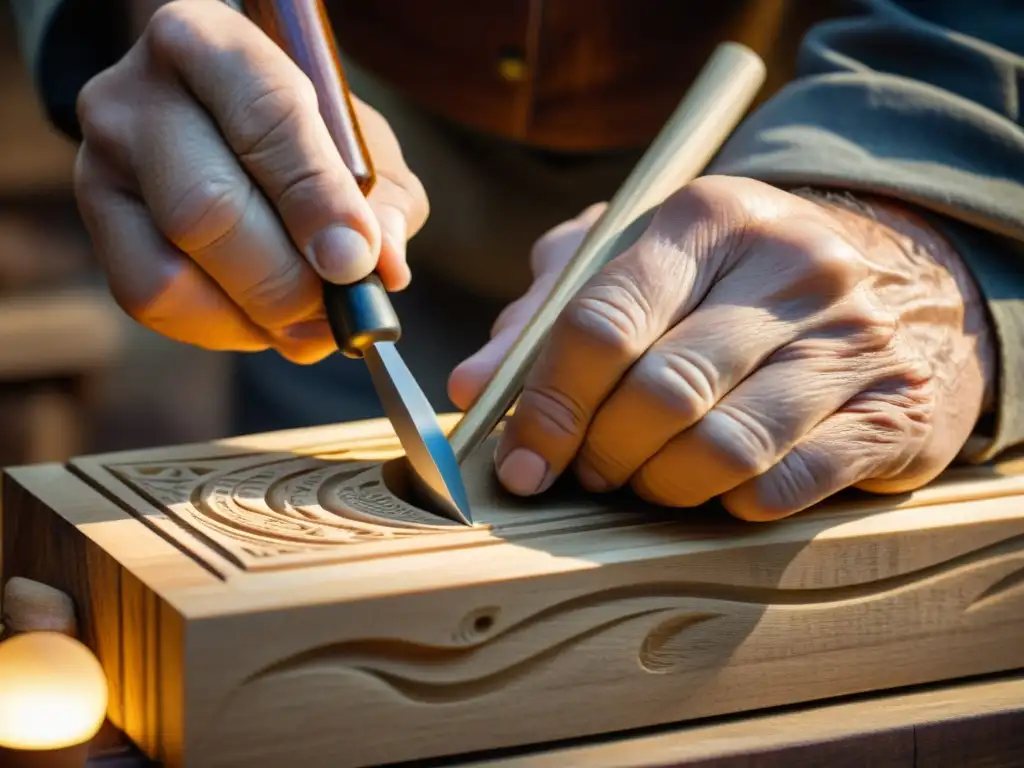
column 433, row 466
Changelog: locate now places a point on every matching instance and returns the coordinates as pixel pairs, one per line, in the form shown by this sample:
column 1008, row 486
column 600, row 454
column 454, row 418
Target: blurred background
column 77, row 375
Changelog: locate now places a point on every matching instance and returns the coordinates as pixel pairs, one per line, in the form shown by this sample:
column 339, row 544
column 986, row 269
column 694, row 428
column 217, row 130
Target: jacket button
column 511, row 65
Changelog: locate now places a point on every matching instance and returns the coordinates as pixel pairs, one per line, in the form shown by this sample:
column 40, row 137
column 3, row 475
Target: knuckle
column 84, row 182
column 138, row 308
column 404, row 191
column 144, row 305
column 554, row 247
column 613, row 317
column 512, row 314
column 715, row 215
column 681, row 381
column 306, row 194
column 825, row 268
column 269, row 116
column 786, row 489
column 100, row 120
column 867, row 325
column 208, row 212
column 714, row 199
column 172, row 30
column 542, row 249
column 556, row 412
column 704, row 196
column 737, row 442
column 273, row 290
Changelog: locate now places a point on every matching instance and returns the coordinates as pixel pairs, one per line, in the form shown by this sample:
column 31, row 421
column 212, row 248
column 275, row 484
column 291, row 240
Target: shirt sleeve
column 919, row 101
column 65, row 43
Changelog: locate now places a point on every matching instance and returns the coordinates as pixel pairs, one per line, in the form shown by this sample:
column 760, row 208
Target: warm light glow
column 53, row 692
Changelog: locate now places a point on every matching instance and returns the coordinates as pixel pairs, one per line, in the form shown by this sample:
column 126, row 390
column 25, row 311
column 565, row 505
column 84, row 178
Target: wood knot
column 478, row 624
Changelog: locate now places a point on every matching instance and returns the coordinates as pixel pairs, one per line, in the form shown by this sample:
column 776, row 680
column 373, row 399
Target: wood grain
column 977, row 723
column 267, row 609
column 972, row 723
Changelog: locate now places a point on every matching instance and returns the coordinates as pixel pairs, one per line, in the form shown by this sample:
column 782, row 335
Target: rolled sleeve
column 919, row 102
column 65, row 43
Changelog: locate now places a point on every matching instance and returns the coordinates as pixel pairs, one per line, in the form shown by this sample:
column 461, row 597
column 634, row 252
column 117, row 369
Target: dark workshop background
column 76, row 374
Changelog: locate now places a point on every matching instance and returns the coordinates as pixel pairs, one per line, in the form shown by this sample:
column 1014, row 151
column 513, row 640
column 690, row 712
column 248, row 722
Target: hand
column 753, row 345
column 215, row 196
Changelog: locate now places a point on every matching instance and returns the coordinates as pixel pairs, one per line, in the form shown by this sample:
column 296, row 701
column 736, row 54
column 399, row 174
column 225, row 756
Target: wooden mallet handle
column 693, row 134
column 360, row 314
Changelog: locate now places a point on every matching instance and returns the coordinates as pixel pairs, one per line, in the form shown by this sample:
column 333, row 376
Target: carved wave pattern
column 258, row 508
column 668, row 628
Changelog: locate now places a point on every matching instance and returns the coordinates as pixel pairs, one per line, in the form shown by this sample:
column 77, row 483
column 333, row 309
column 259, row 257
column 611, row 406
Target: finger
column 672, row 387
column 793, row 282
column 753, row 427
column 469, row 378
column 708, row 354
column 601, row 333
column 549, row 256
column 876, row 436
column 558, row 245
column 149, row 278
column 207, row 206
column 267, row 111
column 392, row 266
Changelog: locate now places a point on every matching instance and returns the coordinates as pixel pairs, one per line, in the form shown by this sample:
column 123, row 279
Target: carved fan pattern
column 255, row 508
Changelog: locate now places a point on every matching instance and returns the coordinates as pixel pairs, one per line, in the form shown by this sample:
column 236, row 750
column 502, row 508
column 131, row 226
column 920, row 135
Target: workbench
column 971, row 723
column 274, row 598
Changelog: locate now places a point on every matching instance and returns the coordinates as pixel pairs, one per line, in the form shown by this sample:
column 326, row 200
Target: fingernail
column 523, row 472
column 341, row 255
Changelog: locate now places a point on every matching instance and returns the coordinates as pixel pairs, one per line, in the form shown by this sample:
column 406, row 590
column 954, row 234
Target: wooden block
column 270, row 598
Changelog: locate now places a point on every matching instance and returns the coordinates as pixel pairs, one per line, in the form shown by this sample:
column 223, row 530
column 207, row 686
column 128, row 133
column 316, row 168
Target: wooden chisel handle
column 360, row 314
column 697, row 129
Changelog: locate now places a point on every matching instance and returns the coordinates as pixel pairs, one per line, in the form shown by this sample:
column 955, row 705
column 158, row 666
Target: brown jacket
column 570, row 75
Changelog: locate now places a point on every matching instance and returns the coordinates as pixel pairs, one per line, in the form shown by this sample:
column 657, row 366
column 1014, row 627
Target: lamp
column 53, row 700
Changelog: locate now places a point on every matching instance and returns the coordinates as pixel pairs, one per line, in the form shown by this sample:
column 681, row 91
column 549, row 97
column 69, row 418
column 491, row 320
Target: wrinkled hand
column 753, row 345
column 215, row 196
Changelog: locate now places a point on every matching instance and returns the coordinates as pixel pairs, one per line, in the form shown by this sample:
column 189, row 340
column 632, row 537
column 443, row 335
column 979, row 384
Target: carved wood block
column 272, row 598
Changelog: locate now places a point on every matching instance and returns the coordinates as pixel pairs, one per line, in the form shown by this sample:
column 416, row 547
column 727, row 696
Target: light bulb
column 53, row 693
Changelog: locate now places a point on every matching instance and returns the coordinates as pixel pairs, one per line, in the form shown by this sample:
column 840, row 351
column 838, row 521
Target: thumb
column 550, row 255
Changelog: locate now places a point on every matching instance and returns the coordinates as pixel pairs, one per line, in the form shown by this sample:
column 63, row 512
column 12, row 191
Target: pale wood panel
column 285, row 604
column 937, row 728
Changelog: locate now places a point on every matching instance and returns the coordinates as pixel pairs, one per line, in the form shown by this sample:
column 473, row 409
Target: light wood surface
column 970, row 724
column 253, row 605
column 967, row 724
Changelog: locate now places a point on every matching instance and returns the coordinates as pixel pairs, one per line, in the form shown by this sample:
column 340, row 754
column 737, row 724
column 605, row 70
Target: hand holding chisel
column 361, row 316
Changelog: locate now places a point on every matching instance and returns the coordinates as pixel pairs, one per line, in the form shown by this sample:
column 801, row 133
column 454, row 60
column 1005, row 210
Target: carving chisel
column 360, row 315
column 700, row 125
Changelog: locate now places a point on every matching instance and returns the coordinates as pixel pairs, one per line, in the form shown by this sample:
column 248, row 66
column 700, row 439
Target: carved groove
column 661, row 650
column 1007, row 587
column 469, row 668
column 437, row 691
column 271, row 511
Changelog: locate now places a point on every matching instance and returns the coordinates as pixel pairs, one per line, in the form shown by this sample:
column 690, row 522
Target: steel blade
column 431, row 459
